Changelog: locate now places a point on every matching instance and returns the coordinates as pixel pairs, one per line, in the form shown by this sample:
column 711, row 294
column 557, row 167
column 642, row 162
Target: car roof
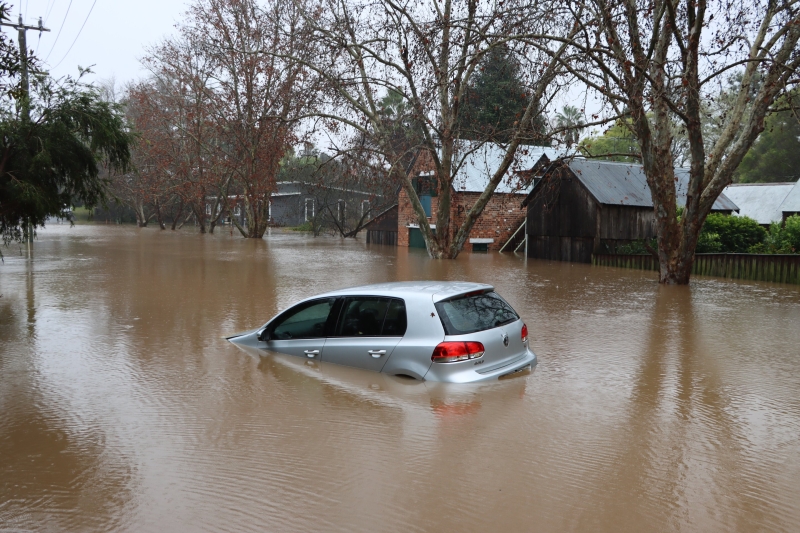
column 438, row 290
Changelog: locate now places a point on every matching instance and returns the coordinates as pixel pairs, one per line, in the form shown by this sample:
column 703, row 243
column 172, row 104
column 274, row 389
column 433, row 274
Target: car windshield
column 474, row 312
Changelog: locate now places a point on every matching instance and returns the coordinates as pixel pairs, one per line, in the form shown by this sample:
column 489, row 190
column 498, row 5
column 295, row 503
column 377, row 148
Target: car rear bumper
column 468, row 372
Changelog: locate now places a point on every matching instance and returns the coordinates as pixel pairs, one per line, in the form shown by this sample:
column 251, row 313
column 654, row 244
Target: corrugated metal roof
column 759, row 201
column 481, row 165
column 613, row 183
column 791, row 203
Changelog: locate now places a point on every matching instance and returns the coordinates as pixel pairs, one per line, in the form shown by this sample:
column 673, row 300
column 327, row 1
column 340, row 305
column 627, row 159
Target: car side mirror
column 264, row 335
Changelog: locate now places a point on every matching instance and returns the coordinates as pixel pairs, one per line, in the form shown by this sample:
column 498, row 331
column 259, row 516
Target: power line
column 59, row 30
column 49, row 10
column 79, row 34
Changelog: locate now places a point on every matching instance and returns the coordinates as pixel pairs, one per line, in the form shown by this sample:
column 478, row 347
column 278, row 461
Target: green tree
column 53, row 158
column 495, row 101
column 775, row 156
column 570, row 121
column 612, row 145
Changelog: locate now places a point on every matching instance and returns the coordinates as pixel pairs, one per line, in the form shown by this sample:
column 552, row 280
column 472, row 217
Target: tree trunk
column 159, row 217
column 675, row 267
column 177, row 216
column 200, row 218
column 141, row 218
column 256, row 217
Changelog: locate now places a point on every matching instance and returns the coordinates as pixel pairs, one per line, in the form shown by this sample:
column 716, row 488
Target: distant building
column 296, row 202
column 292, row 204
column 583, row 207
column 502, row 215
column 791, row 204
column 760, row 201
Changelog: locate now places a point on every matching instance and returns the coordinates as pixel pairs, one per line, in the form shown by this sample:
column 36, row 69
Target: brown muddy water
column 122, row 408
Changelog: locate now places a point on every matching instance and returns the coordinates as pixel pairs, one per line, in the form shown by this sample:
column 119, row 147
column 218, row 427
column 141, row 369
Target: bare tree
column 660, row 62
column 428, row 53
column 256, row 96
column 200, row 170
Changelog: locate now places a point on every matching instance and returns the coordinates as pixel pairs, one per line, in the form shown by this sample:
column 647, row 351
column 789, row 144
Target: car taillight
column 524, row 333
column 450, row 352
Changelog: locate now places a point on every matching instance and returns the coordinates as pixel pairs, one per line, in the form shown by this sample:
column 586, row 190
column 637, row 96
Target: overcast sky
column 113, row 38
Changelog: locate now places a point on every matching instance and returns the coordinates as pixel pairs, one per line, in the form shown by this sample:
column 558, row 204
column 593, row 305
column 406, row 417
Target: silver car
column 438, row 331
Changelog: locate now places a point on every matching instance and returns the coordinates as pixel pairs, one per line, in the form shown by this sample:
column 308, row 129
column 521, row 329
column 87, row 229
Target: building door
column 415, row 238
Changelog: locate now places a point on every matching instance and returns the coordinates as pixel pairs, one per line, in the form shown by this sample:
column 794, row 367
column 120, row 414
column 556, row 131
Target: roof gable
column 791, row 204
column 613, row 183
column 759, row 201
column 482, row 161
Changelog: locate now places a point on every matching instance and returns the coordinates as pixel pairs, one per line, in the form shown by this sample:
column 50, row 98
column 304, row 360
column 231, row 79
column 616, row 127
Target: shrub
column 791, row 233
column 633, row 248
column 729, row 234
column 709, row 243
column 781, row 239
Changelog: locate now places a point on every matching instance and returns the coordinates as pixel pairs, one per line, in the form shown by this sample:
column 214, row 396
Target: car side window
column 372, row 316
column 306, row 321
column 395, row 323
column 362, row 316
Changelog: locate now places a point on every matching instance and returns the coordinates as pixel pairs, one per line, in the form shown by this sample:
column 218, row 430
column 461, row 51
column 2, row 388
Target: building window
column 425, row 200
column 309, row 209
column 480, row 247
column 237, row 211
column 425, row 184
column 208, row 209
column 340, row 205
column 364, row 208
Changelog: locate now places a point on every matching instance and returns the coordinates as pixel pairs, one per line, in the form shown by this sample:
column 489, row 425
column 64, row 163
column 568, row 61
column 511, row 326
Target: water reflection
column 124, row 408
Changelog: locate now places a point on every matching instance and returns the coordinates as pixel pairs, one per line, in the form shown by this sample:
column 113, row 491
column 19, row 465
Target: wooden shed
column 582, row 207
column 383, row 228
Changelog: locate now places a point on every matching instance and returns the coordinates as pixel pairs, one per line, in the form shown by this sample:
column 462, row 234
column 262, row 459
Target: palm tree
column 570, row 120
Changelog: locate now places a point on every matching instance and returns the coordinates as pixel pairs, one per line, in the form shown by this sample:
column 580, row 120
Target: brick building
column 502, row 215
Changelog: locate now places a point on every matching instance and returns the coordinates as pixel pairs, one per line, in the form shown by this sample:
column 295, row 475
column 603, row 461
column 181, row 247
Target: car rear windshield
column 474, row 312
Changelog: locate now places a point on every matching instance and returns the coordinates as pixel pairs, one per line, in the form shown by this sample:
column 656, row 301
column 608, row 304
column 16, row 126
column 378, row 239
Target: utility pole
column 25, row 105
column 23, row 58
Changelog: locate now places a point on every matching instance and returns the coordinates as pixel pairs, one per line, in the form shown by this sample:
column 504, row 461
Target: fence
column 776, row 268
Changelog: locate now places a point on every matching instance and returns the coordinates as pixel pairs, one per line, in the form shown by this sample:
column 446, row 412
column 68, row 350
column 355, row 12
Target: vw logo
column 505, row 339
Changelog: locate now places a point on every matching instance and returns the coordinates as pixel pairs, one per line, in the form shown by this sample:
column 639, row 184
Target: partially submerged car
column 438, row 331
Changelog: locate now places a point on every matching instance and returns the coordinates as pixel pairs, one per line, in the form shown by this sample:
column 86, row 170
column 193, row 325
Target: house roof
column 480, row 165
column 759, row 201
column 379, row 215
column 791, row 204
column 613, row 183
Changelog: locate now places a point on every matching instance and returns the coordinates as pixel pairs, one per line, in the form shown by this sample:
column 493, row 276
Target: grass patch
column 305, row 226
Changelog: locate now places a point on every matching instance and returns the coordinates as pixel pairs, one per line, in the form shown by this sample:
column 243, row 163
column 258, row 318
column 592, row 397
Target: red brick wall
column 500, row 218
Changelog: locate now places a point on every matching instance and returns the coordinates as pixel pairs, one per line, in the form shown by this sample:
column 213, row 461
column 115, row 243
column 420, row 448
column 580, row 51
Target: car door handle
column 377, row 353
column 311, row 353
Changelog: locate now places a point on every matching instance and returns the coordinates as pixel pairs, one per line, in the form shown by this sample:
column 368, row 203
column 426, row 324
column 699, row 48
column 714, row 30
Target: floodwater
column 122, row 408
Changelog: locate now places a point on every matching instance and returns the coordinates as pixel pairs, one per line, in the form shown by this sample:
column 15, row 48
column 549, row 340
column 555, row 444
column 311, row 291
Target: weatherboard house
column 766, row 203
column 791, row 204
column 502, row 215
column 582, row 207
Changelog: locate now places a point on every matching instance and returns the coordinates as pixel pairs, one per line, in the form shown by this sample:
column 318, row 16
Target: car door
column 301, row 330
column 368, row 329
